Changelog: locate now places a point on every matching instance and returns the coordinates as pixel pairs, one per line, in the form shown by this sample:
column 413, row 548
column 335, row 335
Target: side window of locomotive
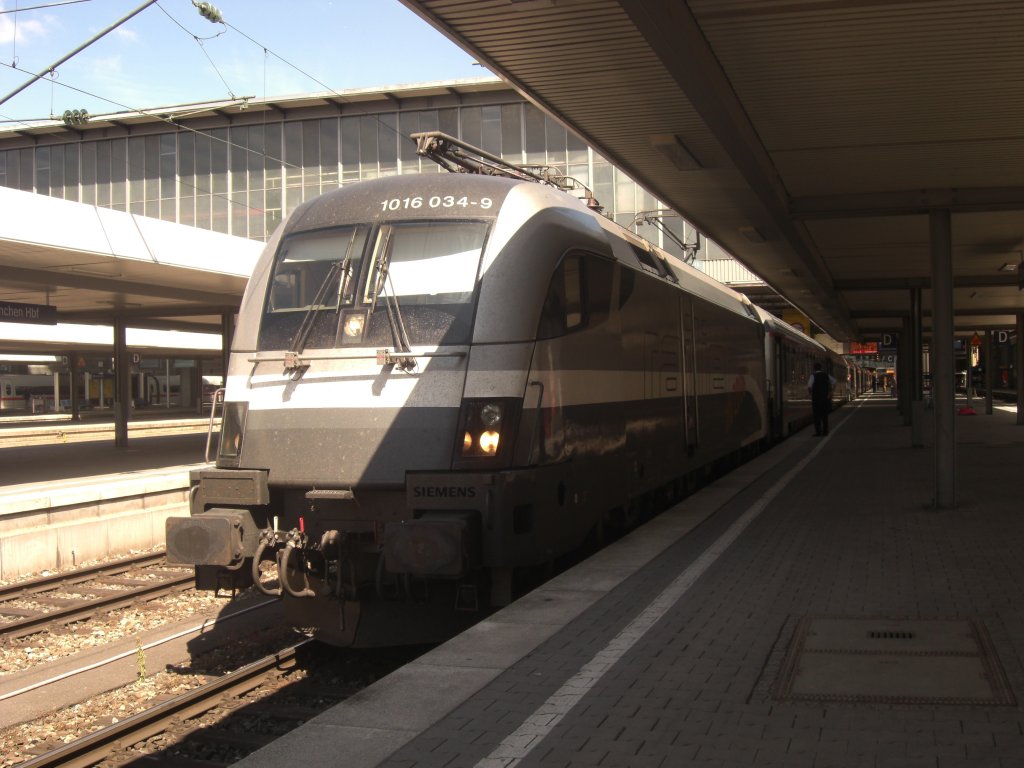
column 599, row 274
column 563, row 308
column 580, row 294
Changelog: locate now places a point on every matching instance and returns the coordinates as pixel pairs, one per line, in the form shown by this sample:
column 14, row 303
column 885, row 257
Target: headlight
column 489, row 442
column 484, row 430
column 490, row 414
column 353, row 323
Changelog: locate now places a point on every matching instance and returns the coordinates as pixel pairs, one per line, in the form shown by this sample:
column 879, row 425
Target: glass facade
column 243, row 179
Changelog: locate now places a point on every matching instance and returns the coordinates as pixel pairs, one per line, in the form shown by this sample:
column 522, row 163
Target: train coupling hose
column 267, row 539
column 284, row 557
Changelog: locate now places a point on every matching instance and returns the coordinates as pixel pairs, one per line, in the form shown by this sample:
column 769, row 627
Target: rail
column 91, row 748
column 36, row 621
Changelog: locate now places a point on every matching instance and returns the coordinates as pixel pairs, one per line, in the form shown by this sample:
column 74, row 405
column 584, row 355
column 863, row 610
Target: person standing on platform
column 820, row 387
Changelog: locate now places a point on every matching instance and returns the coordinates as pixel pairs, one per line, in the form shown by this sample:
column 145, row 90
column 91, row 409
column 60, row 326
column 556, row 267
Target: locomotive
column 441, row 381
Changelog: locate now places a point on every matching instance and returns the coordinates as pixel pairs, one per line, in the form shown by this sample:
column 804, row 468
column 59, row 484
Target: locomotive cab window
column 348, row 286
column 426, row 271
column 309, row 270
column 315, row 275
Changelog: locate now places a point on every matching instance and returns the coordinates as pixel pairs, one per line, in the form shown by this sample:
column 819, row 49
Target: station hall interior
column 854, row 167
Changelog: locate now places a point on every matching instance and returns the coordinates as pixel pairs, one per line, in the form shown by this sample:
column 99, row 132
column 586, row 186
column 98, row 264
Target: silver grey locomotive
column 441, row 380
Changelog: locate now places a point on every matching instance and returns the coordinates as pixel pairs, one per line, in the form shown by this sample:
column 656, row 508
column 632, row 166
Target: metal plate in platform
column 891, row 661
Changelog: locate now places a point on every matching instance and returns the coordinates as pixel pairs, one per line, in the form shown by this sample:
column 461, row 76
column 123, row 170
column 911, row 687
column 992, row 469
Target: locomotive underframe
column 449, row 540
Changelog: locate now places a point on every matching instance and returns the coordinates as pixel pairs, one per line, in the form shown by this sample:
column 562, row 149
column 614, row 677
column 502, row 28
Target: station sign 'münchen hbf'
column 39, row 314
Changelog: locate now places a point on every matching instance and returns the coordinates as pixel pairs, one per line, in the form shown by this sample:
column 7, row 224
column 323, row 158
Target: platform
column 67, row 503
column 809, row 609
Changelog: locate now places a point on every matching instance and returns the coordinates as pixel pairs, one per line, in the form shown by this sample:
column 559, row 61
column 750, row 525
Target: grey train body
column 438, row 381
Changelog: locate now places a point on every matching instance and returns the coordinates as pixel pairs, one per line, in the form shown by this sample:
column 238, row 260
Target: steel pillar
column 122, row 385
column 941, row 239
column 905, row 372
column 916, row 381
column 986, row 379
column 76, row 382
column 1019, row 366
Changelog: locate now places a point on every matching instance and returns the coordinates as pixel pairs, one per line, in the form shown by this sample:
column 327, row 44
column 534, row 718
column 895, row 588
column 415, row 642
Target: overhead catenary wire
column 218, row 19
column 76, row 51
column 199, row 41
column 170, row 121
column 41, row 7
column 302, row 72
column 166, row 119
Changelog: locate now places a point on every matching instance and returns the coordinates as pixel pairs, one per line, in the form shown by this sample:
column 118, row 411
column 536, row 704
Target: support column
column 904, row 372
column 227, row 331
column 1019, row 368
column 917, row 384
column 986, row 379
column 122, row 385
column 940, row 228
column 76, row 382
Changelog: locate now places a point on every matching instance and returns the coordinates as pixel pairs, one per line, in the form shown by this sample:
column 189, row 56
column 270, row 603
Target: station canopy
column 86, row 265
column 810, row 138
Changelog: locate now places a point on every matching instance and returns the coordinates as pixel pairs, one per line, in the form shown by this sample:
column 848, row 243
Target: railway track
column 173, row 714
column 227, row 718
column 32, row 606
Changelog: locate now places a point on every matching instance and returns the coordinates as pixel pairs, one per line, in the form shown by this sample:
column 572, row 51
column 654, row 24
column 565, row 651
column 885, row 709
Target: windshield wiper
column 342, row 266
column 399, row 335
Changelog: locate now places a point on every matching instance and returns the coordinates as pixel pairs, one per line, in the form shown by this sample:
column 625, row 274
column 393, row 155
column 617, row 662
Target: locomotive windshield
column 322, row 293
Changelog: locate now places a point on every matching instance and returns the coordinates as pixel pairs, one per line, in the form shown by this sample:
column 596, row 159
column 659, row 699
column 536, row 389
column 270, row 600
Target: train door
column 691, row 418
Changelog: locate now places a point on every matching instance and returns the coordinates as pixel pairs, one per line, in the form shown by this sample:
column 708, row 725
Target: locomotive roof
column 469, row 195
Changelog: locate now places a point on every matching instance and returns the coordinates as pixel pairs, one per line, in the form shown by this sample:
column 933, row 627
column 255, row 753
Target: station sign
column 38, row 314
column 864, row 348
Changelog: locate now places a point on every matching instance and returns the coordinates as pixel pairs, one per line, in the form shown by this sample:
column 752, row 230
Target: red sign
column 867, row 348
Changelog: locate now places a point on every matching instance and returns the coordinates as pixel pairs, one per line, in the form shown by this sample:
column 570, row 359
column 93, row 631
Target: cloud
column 22, row 29
column 129, row 35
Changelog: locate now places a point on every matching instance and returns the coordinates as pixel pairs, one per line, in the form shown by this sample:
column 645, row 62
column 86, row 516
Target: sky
column 155, row 59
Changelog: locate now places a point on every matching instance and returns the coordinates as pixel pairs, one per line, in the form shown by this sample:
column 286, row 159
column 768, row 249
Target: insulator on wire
column 210, row 12
column 75, row 116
